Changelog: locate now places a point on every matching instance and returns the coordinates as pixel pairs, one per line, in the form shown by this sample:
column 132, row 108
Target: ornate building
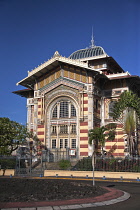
column 68, row 96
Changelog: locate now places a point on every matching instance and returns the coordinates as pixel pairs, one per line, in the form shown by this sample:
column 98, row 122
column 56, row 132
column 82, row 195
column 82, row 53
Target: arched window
column 63, row 125
column 64, row 109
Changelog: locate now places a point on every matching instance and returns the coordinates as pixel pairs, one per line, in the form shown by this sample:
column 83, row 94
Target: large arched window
column 63, row 126
column 64, row 109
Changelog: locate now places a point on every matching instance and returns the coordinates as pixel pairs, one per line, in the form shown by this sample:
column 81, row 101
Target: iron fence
column 109, row 164
column 24, row 167
column 28, row 172
column 57, row 154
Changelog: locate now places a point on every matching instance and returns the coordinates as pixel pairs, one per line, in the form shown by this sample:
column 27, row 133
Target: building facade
column 66, row 97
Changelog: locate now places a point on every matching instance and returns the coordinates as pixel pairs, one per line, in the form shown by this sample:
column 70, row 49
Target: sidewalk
column 111, row 197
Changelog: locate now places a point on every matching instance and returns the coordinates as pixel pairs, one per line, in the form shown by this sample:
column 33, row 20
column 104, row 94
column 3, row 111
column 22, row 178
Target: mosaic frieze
column 62, row 90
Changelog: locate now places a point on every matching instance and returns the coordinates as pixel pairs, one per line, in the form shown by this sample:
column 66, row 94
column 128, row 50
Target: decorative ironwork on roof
column 86, row 53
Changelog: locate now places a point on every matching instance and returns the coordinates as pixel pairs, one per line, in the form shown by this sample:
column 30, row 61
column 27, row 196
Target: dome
column 87, row 53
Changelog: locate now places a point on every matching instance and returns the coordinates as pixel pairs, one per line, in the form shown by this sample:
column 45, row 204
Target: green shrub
column 8, row 163
column 84, row 164
column 64, row 164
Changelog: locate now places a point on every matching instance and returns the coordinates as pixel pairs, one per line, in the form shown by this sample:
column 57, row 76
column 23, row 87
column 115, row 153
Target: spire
column 92, row 40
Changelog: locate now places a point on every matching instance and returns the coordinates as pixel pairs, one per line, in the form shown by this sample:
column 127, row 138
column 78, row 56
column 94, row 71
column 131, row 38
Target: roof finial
column 92, row 40
column 56, row 54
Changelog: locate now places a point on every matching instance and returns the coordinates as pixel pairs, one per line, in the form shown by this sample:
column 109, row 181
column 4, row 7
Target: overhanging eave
column 47, row 66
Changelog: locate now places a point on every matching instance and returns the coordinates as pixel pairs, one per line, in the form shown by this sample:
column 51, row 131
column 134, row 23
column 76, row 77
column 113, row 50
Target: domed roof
column 87, row 53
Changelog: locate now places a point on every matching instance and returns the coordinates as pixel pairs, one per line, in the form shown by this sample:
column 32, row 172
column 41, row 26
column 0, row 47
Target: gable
column 71, row 73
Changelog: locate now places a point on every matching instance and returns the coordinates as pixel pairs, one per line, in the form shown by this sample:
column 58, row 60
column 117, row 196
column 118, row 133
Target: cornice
column 61, row 59
column 111, row 76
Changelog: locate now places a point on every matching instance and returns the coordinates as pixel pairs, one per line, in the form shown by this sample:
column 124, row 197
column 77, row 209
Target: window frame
column 53, row 143
column 73, row 144
column 61, row 146
column 66, row 143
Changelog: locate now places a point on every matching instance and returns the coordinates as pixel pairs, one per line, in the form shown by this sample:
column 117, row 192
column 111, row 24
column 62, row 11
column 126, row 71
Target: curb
column 111, row 197
column 103, row 179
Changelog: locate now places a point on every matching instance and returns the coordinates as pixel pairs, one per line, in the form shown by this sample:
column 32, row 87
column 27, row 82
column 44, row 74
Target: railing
column 101, row 164
column 55, row 155
column 109, row 164
column 26, row 172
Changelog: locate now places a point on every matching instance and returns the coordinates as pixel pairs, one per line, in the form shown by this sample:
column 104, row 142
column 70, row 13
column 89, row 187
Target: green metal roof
column 86, row 53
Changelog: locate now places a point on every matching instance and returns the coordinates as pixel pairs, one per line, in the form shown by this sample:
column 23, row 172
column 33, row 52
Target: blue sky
column 32, row 30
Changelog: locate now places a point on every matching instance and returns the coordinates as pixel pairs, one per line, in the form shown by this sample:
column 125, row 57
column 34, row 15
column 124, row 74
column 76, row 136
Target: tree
column 127, row 101
column 127, row 111
column 129, row 127
column 100, row 135
column 11, row 135
column 29, row 147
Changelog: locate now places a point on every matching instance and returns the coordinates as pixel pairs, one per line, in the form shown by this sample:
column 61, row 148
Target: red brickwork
column 40, row 126
column 83, row 123
column 83, row 138
column 83, row 146
column 83, row 153
column 83, row 131
column 40, row 133
column 85, row 102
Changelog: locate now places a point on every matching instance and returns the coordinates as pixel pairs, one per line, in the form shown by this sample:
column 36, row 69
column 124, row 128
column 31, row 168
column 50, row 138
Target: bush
column 84, row 164
column 8, row 163
column 64, row 164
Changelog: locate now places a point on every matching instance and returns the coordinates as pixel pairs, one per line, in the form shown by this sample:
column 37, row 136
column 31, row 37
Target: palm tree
column 130, row 103
column 129, row 127
column 99, row 135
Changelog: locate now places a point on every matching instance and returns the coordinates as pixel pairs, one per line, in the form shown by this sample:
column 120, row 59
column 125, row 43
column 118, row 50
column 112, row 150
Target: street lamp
column 93, row 162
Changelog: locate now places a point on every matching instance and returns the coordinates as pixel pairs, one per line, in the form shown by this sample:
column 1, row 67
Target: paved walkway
column 111, row 197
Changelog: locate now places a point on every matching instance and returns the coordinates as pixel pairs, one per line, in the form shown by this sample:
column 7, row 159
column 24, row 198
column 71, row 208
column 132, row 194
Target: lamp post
column 93, row 162
column 31, row 148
